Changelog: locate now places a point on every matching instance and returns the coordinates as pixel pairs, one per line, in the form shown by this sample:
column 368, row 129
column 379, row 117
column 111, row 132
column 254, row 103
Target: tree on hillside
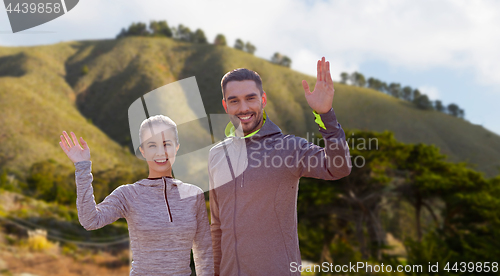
column 135, row 29
column 438, row 105
column 461, row 113
column 344, row 77
column 384, row 87
column 160, row 28
column 424, row 166
column 406, row 93
column 453, row 110
column 250, row 48
column 395, row 90
column 416, row 94
column 280, row 59
column 239, row 44
column 358, row 79
column 374, row 84
column 349, row 209
column 123, row 33
column 199, row 37
column 183, row 33
column 423, row 102
column 220, row 40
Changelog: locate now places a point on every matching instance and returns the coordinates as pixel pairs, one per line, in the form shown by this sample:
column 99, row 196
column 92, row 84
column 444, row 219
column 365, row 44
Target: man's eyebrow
column 231, row 97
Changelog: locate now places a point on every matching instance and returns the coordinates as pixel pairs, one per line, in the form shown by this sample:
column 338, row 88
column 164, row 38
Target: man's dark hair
column 241, row 74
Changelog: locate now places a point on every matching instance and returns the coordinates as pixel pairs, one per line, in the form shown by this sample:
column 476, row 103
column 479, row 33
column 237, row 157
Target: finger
column 318, row 76
column 68, row 140
column 75, row 140
column 64, row 144
column 84, row 144
column 306, row 87
column 328, row 74
column 323, row 69
column 62, row 147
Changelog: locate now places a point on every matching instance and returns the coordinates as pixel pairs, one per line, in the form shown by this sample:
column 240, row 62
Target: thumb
column 306, row 87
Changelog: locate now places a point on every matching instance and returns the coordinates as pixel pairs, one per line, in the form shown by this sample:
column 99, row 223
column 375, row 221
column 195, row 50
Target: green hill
column 87, row 87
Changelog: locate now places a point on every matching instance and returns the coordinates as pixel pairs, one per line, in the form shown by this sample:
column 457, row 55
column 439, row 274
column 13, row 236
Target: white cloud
column 431, row 91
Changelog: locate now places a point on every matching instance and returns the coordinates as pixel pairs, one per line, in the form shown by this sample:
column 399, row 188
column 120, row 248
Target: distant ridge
column 90, row 84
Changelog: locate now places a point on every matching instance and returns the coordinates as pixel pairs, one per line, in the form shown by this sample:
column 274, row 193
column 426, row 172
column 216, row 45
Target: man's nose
column 244, row 107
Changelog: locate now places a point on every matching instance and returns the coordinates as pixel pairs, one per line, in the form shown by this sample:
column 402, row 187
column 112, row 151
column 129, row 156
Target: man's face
column 244, row 105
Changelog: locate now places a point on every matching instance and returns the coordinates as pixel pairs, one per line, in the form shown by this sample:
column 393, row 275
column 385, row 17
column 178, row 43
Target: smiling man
column 254, row 176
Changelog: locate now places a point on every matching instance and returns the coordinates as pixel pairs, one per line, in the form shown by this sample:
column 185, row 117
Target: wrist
column 319, row 112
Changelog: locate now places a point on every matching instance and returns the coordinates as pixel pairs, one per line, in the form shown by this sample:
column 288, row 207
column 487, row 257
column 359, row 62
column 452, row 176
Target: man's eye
column 152, row 146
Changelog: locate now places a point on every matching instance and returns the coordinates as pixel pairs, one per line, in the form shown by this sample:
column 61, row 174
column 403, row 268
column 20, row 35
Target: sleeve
column 90, row 215
column 202, row 243
column 215, row 224
column 331, row 162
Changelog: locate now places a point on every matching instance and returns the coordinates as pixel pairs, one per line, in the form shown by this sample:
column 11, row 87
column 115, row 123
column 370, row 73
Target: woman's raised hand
column 73, row 149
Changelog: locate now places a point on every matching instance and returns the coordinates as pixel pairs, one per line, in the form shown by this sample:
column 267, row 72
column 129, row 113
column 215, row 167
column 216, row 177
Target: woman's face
column 159, row 148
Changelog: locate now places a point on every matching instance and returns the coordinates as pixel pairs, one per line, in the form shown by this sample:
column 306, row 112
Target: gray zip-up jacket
column 254, row 183
column 165, row 217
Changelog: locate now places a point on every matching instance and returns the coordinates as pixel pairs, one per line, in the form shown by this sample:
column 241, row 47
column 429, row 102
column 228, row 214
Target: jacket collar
column 268, row 128
column 159, row 181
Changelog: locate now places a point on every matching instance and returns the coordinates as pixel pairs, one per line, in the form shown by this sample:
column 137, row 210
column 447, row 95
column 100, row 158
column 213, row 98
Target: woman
column 166, row 217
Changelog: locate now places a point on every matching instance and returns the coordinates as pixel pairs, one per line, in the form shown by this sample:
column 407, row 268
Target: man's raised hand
column 321, row 99
column 73, row 149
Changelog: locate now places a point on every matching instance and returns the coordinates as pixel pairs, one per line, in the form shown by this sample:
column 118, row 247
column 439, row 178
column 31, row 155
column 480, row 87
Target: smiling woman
column 159, row 142
column 166, row 217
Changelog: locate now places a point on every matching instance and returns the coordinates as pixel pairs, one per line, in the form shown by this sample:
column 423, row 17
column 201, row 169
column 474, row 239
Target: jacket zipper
column 166, row 200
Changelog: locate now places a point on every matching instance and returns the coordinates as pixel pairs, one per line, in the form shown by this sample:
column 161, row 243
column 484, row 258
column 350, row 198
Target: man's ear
column 224, row 104
column 264, row 99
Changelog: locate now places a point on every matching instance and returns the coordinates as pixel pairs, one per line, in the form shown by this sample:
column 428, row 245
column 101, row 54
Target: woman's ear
column 177, row 148
column 142, row 152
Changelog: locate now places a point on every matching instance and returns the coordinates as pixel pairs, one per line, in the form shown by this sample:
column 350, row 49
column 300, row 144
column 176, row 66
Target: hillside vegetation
column 87, row 87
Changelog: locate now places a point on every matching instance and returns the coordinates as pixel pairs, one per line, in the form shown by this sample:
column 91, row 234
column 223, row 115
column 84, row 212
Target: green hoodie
column 253, row 194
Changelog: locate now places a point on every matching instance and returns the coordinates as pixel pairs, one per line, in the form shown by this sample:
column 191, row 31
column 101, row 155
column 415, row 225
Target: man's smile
column 245, row 118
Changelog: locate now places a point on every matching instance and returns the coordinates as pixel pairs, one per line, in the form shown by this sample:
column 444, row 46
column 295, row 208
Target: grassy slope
column 37, row 104
column 122, row 70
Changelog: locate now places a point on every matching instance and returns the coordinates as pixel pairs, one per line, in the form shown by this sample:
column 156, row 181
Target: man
column 254, row 176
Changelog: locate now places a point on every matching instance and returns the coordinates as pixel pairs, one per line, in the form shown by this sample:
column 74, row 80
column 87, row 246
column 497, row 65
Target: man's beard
column 236, row 121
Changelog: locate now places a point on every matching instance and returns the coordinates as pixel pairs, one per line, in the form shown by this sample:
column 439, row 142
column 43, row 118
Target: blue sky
column 447, row 49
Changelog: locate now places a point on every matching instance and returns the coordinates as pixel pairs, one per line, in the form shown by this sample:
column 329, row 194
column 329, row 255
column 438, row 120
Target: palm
column 321, row 98
column 73, row 149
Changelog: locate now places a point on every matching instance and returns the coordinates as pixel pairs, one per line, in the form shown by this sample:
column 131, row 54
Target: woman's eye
column 152, row 146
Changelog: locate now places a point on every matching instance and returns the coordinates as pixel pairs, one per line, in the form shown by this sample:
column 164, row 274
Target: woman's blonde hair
column 158, row 120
